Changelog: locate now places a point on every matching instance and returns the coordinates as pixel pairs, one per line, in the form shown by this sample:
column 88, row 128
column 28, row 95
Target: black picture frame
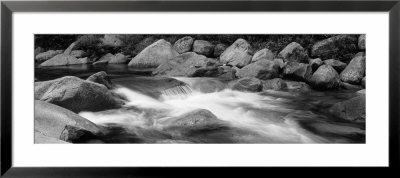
column 8, row 7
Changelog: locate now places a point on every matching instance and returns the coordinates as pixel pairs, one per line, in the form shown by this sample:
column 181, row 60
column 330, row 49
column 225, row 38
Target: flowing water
column 264, row 117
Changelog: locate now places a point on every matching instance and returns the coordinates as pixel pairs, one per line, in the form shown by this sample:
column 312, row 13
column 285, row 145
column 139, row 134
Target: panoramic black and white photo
column 199, row 88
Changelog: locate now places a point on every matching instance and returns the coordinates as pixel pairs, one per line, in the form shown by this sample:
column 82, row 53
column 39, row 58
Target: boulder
column 294, row 52
column 263, row 54
column 44, row 56
column 188, row 64
column 76, row 94
column 355, row 71
column 118, row 58
column 262, row 69
column 238, row 54
column 79, row 53
column 274, row 84
column 339, row 66
column 297, row 86
column 297, row 71
column 226, row 73
column 361, row 42
column 184, row 44
column 219, row 49
column 352, row 109
column 54, row 124
column 101, row 78
column 70, row 48
column 104, row 59
column 363, row 82
column 315, row 63
column 325, row 77
column 62, row 60
column 152, row 56
column 250, row 84
column 340, row 47
column 110, row 40
column 208, row 85
column 279, row 62
column 196, row 119
column 203, row 47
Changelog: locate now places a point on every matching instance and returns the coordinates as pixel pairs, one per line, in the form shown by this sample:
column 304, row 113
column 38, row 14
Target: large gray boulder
column 315, row 63
column 352, row 109
column 118, row 58
column 64, row 59
column 152, row 56
column 339, row 66
column 239, row 54
column 274, row 84
column 262, row 69
column 104, row 59
column 219, row 49
column 297, row 71
column 79, row 53
column 263, row 54
column 44, row 56
column 188, row 64
column 250, row 84
column 340, row 47
column 294, row 52
column 54, row 124
column 111, row 40
column 325, row 77
column 76, row 94
column 184, row 44
column 226, row 73
column 361, row 42
column 203, row 47
column 196, row 119
column 101, row 78
column 355, row 71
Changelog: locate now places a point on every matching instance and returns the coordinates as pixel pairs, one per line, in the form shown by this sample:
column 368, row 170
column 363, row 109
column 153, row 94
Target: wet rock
column 361, row 42
column 101, row 78
column 54, row 124
column 219, row 49
column 336, row 64
column 274, row 84
column 226, row 73
column 76, row 94
column 297, row 71
column 251, row 84
column 352, row 109
column 184, row 44
column 197, row 119
column 154, row 55
column 315, row 63
column 263, row 54
column 340, row 47
column 297, row 86
column 325, row 77
column 188, row 64
column 203, row 47
column 294, row 52
column 262, row 69
column 355, row 71
column 64, row 59
column 239, row 54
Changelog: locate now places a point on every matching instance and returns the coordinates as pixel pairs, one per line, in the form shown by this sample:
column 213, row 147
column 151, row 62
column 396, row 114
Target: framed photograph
column 142, row 88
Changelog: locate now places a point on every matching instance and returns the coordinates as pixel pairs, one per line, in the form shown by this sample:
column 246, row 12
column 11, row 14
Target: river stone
column 226, row 73
column 111, row 40
column 196, row 119
column 297, row 86
column 104, row 59
column 219, row 49
column 203, row 47
column 184, row 44
column 315, row 63
column 76, row 94
column 340, row 47
column 339, row 66
column 101, row 78
column 118, row 58
column 79, row 53
column 250, row 84
column 263, row 54
column 355, row 71
column 154, row 55
column 188, row 64
column 352, row 109
column 262, row 69
column 294, row 52
column 325, row 77
column 44, row 56
column 274, row 84
column 239, row 54
column 62, row 60
column 208, row 85
column 297, row 71
column 55, row 122
column 361, row 42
